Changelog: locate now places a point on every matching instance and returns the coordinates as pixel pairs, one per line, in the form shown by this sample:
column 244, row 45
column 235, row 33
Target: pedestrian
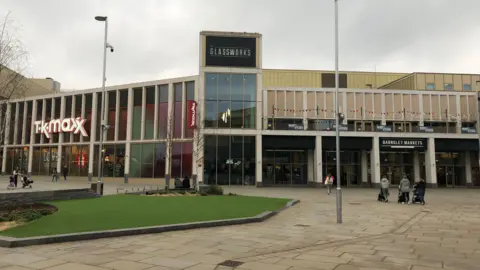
column 15, row 175
column 404, row 187
column 421, row 187
column 54, row 175
column 65, row 172
column 329, row 183
column 384, row 188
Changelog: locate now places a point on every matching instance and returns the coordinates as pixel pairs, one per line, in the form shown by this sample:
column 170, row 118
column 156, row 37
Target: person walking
column 54, row 175
column 384, row 188
column 404, row 187
column 65, row 172
column 421, row 187
column 15, row 175
column 329, row 183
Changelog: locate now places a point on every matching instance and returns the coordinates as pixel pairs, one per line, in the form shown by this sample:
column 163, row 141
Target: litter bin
column 94, row 187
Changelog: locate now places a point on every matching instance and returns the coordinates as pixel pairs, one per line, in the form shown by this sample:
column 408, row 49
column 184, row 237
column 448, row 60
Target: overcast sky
column 157, row 39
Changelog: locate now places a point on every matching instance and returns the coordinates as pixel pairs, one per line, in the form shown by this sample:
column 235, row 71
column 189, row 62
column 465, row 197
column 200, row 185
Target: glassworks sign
column 230, row 52
column 402, row 143
column 75, row 125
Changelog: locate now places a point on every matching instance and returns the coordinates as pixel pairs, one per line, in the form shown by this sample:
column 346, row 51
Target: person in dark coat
column 421, row 187
column 65, row 172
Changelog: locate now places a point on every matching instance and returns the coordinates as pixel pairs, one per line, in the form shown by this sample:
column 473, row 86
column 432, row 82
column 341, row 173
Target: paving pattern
column 444, row 234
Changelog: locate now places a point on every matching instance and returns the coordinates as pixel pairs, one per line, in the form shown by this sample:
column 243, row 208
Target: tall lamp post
column 337, row 120
column 103, row 125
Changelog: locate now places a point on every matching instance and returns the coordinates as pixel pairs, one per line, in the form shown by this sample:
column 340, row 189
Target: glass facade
column 75, row 157
column 147, row 160
column 149, row 112
column 350, row 169
column 177, row 109
column 123, row 115
column 162, row 111
column 230, row 100
column 190, row 95
column 137, row 113
column 451, row 169
column 77, row 113
column 285, row 167
column 21, row 113
column 181, row 164
column 111, row 115
column 44, row 160
column 395, row 164
column 17, row 158
column 229, row 160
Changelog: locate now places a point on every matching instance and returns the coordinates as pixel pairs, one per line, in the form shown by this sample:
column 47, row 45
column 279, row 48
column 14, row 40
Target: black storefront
column 397, row 158
column 351, row 149
column 451, row 157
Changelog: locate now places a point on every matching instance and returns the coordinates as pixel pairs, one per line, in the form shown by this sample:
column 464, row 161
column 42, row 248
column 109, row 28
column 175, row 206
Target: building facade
column 239, row 124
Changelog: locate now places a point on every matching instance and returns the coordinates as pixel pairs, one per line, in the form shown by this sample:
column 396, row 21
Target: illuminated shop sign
column 402, row 143
column 192, row 114
column 230, row 52
column 67, row 125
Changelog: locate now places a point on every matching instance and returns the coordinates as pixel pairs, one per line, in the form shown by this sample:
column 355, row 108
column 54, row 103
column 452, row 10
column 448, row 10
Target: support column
column 468, row 169
column 6, row 137
column 258, row 160
column 318, row 165
column 375, row 162
column 93, row 132
column 61, row 136
column 430, row 164
column 364, row 164
column 416, row 167
column 32, row 138
column 129, row 135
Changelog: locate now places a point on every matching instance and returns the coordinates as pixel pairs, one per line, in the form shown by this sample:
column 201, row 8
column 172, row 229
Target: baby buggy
column 418, row 196
column 26, row 182
column 401, row 197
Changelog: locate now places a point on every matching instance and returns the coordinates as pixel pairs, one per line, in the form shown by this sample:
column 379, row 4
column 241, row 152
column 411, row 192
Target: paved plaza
column 444, row 234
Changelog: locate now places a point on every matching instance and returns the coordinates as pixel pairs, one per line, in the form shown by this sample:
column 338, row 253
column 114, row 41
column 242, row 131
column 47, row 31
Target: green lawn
column 128, row 211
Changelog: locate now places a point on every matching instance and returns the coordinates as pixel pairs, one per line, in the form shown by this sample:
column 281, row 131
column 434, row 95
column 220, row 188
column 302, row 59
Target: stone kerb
column 7, row 199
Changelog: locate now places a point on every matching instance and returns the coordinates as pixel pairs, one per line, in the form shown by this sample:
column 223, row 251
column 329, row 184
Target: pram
column 418, row 195
column 11, row 184
column 381, row 198
column 26, row 182
column 401, row 197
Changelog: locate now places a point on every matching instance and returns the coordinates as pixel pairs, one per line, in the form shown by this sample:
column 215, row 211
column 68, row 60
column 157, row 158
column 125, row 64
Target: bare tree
column 198, row 152
column 168, row 137
column 13, row 62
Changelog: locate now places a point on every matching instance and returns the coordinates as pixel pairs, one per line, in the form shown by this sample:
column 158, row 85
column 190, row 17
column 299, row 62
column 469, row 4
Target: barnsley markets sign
column 67, row 125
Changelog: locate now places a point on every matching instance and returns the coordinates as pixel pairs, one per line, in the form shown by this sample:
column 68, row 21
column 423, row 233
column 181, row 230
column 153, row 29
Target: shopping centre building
column 239, row 124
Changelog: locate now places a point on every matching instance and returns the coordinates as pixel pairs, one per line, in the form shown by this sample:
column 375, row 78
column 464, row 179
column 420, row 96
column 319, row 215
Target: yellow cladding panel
column 313, row 78
column 405, row 83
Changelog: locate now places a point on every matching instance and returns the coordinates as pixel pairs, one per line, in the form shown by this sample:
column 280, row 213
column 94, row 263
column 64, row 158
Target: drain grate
column 231, row 263
column 302, row 225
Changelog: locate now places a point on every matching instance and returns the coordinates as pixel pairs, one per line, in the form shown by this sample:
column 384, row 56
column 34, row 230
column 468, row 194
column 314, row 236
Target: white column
column 375, row 162
column 142, row 126
column 129, row 134
column 258, row 160
column 44, row 113
column 24, row 125
column 32, row 138
column 93, row 132
column 259, row 107
column 416, row 166
column 364, row 164
column 318, row 168
column 117, row 115
column 84, row 101
column 430, row 164
column 6, row 136
column 155, row 116
column 468, row 169
column 311, row 167
column 170, row 128
column 61, row 135
column 15, row 126
column 184, row 107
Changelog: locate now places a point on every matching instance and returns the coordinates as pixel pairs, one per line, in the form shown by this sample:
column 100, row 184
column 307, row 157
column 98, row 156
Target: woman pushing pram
column 419, row 192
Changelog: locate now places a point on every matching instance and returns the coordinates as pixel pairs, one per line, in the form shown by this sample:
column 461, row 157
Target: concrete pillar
column 142, row 126
column 32, row 137
column 310, row 166
column 61, row 136
column 93, row 132
column 375, row 162
column 318, row 169
column 416, row 166
column 258, row 160
column 15, row 126
column 468, row 169
column 24, row 125
column 6, row 136
column 155, row 116
column 364, row 170
column 430, row 164
column 129, row 134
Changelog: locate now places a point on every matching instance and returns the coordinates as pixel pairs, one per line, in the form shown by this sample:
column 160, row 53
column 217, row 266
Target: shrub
column 30, row 215
column 215, row 190
column 203, row 193
column 232, row 194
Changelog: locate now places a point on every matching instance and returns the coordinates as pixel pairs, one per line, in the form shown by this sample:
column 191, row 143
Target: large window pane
column 211, row 81
column 159, row 169
column 249, row 114
column 12, row 123
column 224, row 86
column 77, row 113
column 190, row 95
column 162, row 111
column 137, row 113
column 20, row 122
column 99, row 116
column 88, row 115
column 187, row 152
column 177, row 110
column 237, row 114
column 122, row 125
column 176, row 165
column 39, row 117
column 250, row 87
column 210, row 159
column 148, row 153
column 119, row 160
column 249, row 160
column 29, row 121
column 58, row 102
column 111, row 116
column 224, row 114
column 211, row 114
column 150, row 112
column 135, row 160
column 236, row 88
column 223, row 160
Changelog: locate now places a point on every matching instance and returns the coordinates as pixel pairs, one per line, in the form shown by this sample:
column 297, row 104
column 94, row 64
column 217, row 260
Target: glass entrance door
column 285, row 167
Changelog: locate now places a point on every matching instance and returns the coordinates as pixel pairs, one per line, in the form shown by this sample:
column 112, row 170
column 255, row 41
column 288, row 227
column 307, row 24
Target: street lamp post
column 103, row 126
column 337, row 120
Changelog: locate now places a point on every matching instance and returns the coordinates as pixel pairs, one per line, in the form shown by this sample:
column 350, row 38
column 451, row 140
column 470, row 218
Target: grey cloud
column 158, row 39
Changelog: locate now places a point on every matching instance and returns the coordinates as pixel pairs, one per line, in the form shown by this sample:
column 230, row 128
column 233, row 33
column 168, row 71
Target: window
column 149, row 112
column 77, row 113
column 137, row 113
column 430, row 86
column 467, row 87
column 122, row 125
column 448, row 86
column 147, row 160
column 111, row 116
column 177, row 110
column 162, row 111
column 328, row 80
column 88, row 114
column 190, row 95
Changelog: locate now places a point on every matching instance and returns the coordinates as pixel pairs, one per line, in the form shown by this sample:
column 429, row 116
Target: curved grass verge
column 129, row 211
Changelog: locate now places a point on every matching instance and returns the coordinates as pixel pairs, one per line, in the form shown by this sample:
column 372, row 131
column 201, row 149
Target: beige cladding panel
column 290, row 101
column 457, row 82
column 280, row 104
column 454, row 111
column 320, row 102
column 406, row 108
column 258, row 50
column 443, row 106
column 421, row 81
column 475, row 85
column 426, row 107
column 299, row 108
column 311, row 105
column 359, row 105
column 285, row 78
column 448, row 78
column 377, row 103
column 463, row 107
column 389, row 108
column 398, row 105
column 415, row 113
column 330, row 106
column 369, row 106
column 430, row 78
column 202, row 54
column 350, row 106
column 270, row 103
column 435, row 108
column 439, row 85
column 472, row 107
column 466, row 79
